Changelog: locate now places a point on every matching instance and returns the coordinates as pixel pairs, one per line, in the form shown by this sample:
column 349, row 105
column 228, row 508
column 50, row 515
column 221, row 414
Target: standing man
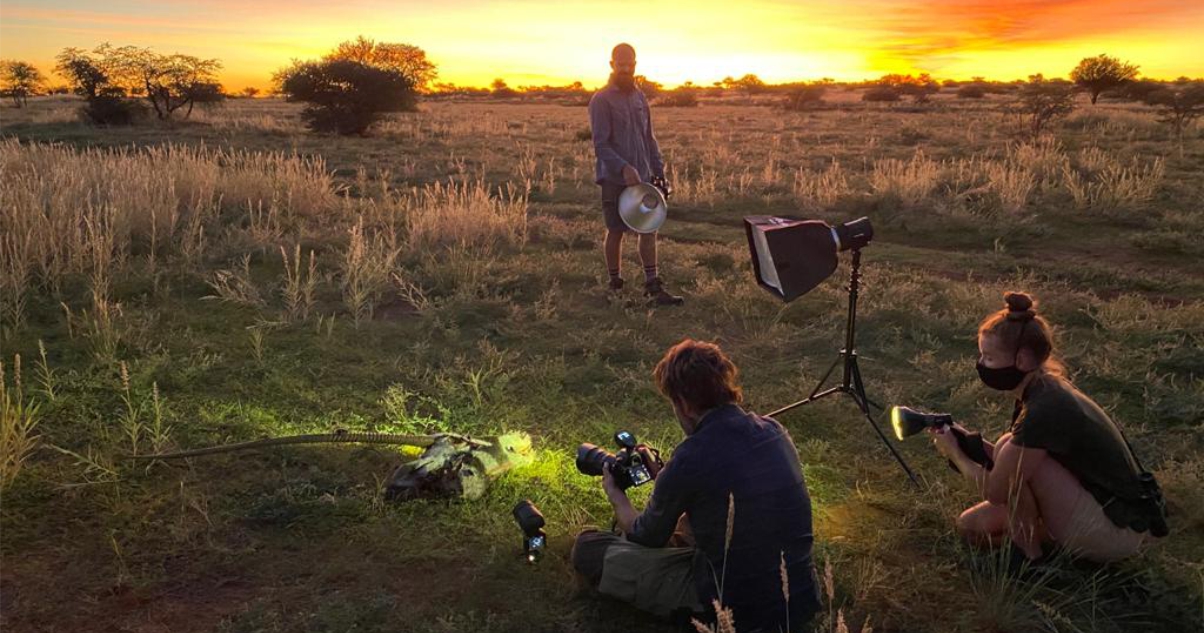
column 627, row 155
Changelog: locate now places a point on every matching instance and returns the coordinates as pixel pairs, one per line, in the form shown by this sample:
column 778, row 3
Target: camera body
column 530, row 520
column 634, row 464
column 660, row 182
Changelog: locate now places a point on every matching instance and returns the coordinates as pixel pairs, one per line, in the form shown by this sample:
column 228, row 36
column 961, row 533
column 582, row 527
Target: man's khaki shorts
column 610, row 207
column 659, row 580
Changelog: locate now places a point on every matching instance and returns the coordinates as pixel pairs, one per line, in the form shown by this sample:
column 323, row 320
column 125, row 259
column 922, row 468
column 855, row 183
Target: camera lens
column 591, row 458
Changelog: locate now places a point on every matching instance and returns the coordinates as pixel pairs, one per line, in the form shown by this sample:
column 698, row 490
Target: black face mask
column 1004, row 378
column 1001, row 378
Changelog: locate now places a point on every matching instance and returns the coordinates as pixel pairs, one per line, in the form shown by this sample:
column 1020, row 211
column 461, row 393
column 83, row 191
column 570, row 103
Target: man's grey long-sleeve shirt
column 622, row 129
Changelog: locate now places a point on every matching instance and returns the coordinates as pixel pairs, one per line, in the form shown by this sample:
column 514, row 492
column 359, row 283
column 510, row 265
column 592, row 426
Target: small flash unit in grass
column 530, row 520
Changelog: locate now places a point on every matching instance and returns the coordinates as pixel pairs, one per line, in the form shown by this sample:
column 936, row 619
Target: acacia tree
column 651, row 89
column 1178, row 105
column 18, row 80
column 84, row 75
column 167, row 82
column 501, row 90
column 1102, row 73
column 345, row 96
column 749, row 84
column 406, row 59
column 106, row 102
column 1040, row 101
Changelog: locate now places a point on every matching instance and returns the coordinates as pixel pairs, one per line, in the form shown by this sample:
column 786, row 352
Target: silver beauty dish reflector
column 642, row 208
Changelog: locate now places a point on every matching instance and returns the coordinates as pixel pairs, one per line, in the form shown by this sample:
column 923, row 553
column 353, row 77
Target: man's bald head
column 623, row 52
column 622, row 62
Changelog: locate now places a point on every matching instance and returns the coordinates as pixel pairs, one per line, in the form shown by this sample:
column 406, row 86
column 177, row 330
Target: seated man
column 737, row 484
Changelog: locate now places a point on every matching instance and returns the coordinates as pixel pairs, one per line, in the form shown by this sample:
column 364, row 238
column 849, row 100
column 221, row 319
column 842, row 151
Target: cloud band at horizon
column 537, row 42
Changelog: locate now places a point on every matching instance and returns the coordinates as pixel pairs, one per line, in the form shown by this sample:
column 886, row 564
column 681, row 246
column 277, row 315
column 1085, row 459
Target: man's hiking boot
column 616, row 284
column 658, row 296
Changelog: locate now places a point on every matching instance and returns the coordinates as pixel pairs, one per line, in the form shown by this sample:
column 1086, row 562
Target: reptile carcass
column 450, row 465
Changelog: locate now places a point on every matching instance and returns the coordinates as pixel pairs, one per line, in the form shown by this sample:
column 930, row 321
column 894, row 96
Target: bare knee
column 982, row 522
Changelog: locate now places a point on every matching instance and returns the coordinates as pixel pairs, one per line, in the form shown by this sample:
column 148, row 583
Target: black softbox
column 790, row 257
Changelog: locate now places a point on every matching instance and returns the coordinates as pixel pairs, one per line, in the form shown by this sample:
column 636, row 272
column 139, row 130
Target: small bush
column 881, row 94
column 1041, row 101
column 805, row 98
column 971, row 91
column 106, row 110
column 679, row 99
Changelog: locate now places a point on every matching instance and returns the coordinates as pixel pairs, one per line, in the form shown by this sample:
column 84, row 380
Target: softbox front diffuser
column 790, row 257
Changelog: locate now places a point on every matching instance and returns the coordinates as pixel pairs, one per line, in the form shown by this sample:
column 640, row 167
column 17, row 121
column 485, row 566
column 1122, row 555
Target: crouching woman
column 1063, row 475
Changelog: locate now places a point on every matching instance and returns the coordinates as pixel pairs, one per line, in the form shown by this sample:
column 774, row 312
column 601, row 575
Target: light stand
column 851, row 384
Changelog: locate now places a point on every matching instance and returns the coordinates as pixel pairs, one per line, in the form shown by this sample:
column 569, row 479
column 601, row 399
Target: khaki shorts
column 610, row 207
column 659, row 580
column 1092, row 535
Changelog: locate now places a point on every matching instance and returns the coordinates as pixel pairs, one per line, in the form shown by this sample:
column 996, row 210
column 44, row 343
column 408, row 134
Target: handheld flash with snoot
column 530, row 520
column 908, row 422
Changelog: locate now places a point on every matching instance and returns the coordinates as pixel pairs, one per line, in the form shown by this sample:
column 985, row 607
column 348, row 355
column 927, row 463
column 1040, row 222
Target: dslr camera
column 662, row 183
column 634, row 464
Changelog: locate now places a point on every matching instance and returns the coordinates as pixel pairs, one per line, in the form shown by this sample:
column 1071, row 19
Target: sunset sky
column 541, row 42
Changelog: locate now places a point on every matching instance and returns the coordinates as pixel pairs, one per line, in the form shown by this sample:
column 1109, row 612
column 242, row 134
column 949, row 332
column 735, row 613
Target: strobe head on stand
column 791, row 256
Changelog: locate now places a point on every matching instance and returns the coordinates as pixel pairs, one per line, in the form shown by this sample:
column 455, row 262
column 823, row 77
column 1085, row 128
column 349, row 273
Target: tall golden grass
column 89, row 213
column 86, row 212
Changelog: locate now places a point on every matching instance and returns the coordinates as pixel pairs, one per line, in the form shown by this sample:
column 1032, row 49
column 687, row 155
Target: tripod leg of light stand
column 860, row 387
column 890, row 447
column 851, row 382
column 815, row 393
column 858, row 393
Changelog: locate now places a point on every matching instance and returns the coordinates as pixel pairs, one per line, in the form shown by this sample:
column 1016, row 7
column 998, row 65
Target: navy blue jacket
column 752, row 459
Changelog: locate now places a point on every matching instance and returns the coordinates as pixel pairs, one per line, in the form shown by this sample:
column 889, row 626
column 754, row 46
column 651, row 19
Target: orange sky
column 541, row 42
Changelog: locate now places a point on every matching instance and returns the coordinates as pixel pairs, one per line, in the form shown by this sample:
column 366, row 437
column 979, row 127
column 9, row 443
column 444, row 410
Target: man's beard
column 625, row 81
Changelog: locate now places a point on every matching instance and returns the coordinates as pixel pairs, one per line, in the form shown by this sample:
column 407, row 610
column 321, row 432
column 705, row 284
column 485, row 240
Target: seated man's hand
column 612, row 489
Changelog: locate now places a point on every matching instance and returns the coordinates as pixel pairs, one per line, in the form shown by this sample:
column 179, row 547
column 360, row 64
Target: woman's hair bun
column 1021, row 307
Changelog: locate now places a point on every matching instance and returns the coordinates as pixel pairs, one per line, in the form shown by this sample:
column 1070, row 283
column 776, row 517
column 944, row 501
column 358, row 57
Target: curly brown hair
column 698, row 374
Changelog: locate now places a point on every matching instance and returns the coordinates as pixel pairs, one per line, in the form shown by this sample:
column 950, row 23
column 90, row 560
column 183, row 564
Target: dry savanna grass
column 233, row 277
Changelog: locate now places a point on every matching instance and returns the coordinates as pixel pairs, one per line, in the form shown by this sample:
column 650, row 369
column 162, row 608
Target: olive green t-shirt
column 1075, row 431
